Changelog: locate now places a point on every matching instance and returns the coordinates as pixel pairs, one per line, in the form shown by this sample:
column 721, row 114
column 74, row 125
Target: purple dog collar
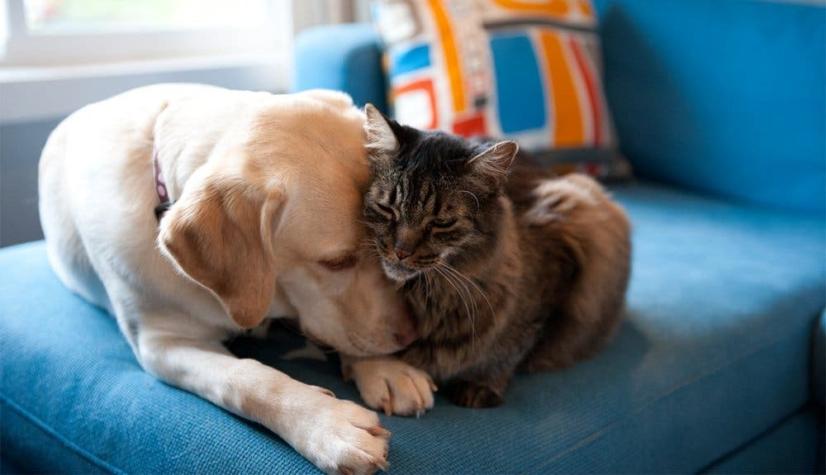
column 160, row 188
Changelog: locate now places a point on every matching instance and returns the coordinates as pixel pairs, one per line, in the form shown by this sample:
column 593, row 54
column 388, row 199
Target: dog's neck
column 175, row 164
column 160, row 187
column 179, row 152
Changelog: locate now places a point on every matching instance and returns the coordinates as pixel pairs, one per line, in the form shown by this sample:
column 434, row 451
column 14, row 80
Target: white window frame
column 63, row 68
column 25, row 48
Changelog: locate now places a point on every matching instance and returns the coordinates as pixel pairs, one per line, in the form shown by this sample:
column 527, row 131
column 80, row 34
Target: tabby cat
column 504, row 267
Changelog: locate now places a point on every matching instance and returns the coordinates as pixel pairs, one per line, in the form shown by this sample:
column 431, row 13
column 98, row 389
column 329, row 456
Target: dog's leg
column 337, row 436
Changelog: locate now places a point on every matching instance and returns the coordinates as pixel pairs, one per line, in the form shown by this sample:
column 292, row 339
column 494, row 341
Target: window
column 59, row 55
column 68, row 16
column 60, row 32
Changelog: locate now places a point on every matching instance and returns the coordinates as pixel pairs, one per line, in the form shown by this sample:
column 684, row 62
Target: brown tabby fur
column 531, row 275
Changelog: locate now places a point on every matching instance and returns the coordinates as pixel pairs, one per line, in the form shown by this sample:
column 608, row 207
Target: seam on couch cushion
column 58, row 437
column 803, row 409
column 595, row 436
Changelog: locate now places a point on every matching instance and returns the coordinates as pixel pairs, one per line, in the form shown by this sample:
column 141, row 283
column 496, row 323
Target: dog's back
column 80, row 169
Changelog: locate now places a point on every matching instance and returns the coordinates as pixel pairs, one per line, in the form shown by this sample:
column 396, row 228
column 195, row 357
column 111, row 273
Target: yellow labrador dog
column 263, row 194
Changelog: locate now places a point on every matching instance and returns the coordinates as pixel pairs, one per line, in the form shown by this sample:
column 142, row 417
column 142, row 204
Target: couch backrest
column 724, row 96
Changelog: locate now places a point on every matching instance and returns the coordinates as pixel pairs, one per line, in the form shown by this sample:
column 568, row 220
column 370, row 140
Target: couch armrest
column 819, row 360
column 342, row 57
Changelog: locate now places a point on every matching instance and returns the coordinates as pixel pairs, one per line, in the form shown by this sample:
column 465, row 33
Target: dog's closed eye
column 340, row 263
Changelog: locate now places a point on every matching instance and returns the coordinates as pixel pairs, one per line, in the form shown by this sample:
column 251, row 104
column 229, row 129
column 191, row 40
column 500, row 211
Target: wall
column 20, row 146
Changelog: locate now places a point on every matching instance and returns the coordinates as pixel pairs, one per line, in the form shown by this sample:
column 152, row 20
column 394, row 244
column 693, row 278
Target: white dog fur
column 266, row 193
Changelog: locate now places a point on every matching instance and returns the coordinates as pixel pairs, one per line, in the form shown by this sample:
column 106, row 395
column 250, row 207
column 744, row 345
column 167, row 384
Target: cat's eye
column 443, row 223
column 340, row 263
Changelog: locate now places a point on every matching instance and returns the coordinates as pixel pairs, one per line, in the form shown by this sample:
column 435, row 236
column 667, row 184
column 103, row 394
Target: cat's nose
column 402, row 253
column 406, row 242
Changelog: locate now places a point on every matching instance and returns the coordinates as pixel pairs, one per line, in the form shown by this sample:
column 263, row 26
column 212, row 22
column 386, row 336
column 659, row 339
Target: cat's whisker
column 371, row 252
column 458, row 278
column 465, row 281
column 368, row 243
column 475, row 286
column 430, row 288
column 450, row 282
column 463, row 296
column 370, row 247
column 427, row 287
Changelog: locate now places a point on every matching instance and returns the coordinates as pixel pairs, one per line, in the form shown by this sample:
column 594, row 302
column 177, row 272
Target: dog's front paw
column 393, row 386
column 340, row 437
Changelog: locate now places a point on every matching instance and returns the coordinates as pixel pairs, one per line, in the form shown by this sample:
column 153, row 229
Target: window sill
column 30, row 94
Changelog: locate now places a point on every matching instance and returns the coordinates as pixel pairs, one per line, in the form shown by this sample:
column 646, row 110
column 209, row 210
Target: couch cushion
column 720, row 95
column 715, row 350
column 790, row 447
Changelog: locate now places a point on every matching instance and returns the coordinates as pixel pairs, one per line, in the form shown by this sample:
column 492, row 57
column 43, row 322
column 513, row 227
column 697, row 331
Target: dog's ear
column 220, row 235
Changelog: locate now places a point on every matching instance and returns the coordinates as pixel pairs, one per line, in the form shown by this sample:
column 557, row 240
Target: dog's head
column 274, row 217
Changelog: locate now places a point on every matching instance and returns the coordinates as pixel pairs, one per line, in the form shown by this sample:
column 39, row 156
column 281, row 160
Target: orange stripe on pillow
column 586, row 8
column 590, row 86
column 451, row 54
column 547, row 7
column 567, row 115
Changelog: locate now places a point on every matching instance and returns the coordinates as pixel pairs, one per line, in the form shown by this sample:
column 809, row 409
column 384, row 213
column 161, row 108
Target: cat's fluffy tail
column 596, row 231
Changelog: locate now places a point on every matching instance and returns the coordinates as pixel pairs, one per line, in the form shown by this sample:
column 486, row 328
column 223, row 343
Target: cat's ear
column 380, row 140
column 495, row 161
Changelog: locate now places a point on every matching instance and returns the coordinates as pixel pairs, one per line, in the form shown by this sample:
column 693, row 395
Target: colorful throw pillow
column 528, row 70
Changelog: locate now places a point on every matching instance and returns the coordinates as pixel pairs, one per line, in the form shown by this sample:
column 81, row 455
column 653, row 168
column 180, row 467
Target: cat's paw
column 473, row 395
column 391, row 385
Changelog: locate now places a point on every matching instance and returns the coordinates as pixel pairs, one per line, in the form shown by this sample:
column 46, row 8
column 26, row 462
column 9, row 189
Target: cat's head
column 434, row 197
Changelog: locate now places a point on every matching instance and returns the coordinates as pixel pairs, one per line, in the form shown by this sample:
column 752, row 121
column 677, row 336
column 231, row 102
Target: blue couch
column 719, row 366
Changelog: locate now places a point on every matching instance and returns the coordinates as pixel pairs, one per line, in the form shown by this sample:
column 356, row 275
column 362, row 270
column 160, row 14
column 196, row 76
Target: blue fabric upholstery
column 8, row 468
column 342, row 57
column 819, row 361
column 724, row 96
column 715, row 351
column 793, row 446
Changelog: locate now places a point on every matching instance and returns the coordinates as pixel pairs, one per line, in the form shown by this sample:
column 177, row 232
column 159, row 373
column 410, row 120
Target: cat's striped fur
column 504, row 266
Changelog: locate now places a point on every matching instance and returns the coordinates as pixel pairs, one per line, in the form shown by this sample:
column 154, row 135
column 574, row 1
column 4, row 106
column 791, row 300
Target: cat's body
column 502, row 272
